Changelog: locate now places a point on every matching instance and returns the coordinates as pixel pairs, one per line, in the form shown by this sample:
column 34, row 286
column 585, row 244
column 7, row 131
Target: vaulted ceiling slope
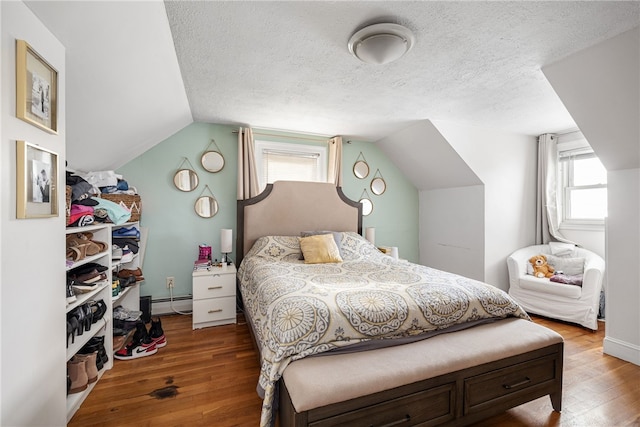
column 138, row 71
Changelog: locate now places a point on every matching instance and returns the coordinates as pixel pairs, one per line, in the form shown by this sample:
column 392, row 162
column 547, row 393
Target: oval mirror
column 185, row 180
column 367, row 206
column 212, row 161
column 378, row 186
column 206, row 206
column 361, row 169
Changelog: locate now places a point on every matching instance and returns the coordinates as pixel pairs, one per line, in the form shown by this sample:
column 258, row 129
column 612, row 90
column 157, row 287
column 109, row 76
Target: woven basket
column 67, row 207
column 128, row 201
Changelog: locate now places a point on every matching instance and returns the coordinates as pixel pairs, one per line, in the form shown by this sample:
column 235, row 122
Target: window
column 280, row 161
column 584, row 184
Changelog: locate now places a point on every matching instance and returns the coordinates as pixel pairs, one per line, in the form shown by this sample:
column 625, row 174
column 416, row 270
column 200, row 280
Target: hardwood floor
column 208, row 378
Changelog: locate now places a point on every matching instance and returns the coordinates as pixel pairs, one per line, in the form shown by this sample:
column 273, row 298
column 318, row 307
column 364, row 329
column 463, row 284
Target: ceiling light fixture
column 381, row 43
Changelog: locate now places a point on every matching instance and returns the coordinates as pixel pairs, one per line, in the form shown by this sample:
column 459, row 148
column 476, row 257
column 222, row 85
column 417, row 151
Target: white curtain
column 547, row 215
column 247, row 171
column 334, row 172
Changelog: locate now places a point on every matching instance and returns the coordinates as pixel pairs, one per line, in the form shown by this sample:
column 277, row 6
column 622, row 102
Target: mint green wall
column 175, row 231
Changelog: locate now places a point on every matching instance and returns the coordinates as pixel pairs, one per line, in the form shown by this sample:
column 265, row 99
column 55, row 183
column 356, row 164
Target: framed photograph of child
column 36, row 181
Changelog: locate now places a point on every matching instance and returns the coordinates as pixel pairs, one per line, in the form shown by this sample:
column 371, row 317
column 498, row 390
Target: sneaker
column 127, row 255
column 126, row 232
column 157, row 334
column 141, row 345
column 71, row 296
column 116, row 252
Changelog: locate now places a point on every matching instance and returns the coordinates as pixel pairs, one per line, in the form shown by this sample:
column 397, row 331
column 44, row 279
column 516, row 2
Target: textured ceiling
column 285, row 65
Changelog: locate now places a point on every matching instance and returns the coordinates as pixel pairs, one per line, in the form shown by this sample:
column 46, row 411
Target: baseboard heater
column 163, row 305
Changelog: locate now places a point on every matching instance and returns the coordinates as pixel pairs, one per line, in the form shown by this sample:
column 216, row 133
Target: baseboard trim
column 163, row 305
column 622, row 350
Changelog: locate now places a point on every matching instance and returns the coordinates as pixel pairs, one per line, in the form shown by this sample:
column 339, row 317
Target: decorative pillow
column 568, row 266
column 275, row 247
column 319, row 249
column 337, row 236
column 561, row 249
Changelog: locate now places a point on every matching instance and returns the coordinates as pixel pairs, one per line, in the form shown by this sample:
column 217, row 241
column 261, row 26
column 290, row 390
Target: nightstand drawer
column 214, row 309
column 214, row 285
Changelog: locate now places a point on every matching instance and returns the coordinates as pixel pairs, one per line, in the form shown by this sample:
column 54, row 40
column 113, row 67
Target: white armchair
column 556, row 300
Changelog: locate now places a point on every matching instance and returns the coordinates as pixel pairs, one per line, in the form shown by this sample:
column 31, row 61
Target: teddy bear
column 540, row 266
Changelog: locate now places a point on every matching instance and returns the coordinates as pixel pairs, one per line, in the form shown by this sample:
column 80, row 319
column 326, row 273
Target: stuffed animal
column 540, row 266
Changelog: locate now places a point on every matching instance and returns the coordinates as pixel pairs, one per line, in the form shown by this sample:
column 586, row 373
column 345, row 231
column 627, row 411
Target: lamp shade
column 226, row 240
column 370, row 234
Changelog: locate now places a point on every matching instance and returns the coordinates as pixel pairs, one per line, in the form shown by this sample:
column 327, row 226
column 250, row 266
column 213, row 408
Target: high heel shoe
column 78, row 314
column 72, row 328
column 88, row 316
column 98, row 308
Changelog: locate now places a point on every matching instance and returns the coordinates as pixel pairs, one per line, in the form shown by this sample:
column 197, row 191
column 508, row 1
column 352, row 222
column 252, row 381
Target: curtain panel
column 334, row 171
column 547, row 215
column 247, row 171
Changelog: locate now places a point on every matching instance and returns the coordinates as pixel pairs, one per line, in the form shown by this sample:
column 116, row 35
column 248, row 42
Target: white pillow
column 561, row 249
column 568, row 266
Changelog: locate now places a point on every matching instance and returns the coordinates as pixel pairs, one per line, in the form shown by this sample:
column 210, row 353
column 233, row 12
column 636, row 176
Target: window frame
column 293, row 148
column 579, row 149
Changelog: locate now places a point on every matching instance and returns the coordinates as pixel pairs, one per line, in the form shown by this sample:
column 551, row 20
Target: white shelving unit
column 129, row 297
column 102, row 327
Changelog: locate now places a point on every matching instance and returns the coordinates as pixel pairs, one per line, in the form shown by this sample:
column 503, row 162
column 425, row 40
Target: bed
column 370, row 340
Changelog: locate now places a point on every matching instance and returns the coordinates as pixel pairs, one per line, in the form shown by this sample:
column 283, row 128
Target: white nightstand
column 214, row 297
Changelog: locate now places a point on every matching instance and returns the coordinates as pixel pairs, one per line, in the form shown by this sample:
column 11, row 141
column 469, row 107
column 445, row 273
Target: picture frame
column 36, row 89
column 36, row 181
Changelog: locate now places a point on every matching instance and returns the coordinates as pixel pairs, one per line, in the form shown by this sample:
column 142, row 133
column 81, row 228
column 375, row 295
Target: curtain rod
column 317, row 138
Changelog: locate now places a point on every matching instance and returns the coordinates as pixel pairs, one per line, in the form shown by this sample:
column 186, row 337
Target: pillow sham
column 275, row 247
column 568, row 266
column 319, row 249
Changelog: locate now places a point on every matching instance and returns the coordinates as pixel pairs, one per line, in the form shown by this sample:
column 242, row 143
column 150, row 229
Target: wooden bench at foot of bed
column 451, row 379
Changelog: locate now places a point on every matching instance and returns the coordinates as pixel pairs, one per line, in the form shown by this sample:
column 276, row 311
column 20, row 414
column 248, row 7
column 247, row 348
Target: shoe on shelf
column 116, row 252
column 127, row 255
column 77, row 371
column 157, row 334
column 90, row 365
column 126, row 232
column 71, row 296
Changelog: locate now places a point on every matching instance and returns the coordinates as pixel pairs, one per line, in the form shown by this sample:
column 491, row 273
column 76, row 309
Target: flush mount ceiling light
column 381, row 43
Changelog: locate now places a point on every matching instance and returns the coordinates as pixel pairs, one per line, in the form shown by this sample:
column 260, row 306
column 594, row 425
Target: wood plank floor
column 208, row 378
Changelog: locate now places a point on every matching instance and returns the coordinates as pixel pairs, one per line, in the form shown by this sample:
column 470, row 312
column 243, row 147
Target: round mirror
column 206, row 206
column 361, row 169
column 378, row 186
column 212, row 161
column 367, row 206
column 185, row 180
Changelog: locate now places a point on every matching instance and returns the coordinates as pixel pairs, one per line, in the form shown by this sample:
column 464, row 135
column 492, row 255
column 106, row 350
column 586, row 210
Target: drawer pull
column 214, row 287
column 526, row 380
column 406, row 419
column 215, row 311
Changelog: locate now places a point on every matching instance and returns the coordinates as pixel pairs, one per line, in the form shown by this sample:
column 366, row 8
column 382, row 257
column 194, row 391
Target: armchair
column 556, row 300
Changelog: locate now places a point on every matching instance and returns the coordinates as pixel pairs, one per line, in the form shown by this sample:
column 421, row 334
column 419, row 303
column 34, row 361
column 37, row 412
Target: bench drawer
column 428, row 407
column 512, row 382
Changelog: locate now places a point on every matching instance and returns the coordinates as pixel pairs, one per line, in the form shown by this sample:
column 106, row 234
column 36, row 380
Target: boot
column 78, row 374
column 90, row 365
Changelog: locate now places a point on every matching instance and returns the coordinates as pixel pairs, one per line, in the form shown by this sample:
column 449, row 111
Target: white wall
column 623, row 270
column 452, row 230
column 32, row 276
column 506, row 164
column 601, row 89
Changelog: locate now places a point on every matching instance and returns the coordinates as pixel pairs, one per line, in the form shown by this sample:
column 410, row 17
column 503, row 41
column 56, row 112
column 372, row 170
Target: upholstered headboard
column 286, row 208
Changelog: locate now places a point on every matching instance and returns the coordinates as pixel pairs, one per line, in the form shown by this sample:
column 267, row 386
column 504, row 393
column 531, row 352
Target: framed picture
column 36, row 181
column 36, row 89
